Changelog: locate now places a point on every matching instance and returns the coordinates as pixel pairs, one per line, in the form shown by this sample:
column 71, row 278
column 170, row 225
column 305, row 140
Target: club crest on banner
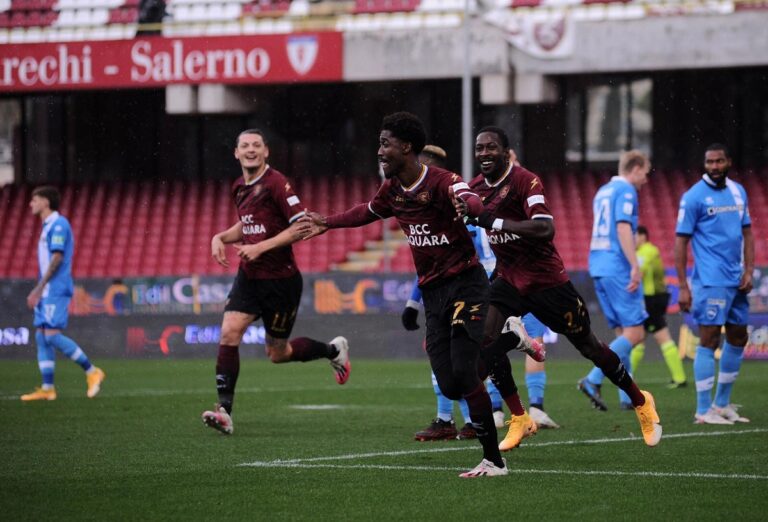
column 302, row 52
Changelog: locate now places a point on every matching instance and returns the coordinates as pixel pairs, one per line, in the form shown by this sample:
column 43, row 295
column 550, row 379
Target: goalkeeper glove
column 410, row 314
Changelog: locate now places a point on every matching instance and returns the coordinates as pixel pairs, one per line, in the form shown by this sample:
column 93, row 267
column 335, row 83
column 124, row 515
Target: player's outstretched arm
column 316, row 224
column 296, row 231
column 541, row 228
column 218, row 242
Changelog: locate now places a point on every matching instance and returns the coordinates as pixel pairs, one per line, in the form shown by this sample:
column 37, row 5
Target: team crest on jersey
column 399, row 200
column 424, row 198
column 503, row 192
column 257, row 190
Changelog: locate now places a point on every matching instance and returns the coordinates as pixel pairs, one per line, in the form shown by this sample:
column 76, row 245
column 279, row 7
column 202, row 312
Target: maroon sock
column 612, row 367
column 227, row 371
column 305, row 349
column 514, row 404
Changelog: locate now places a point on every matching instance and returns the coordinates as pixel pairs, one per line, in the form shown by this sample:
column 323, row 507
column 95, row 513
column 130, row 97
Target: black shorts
column 560, row 307
column 276, row 301
column 656, row 306
column 461, row 301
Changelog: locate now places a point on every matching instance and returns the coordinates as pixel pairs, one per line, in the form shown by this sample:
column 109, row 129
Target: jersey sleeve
column 746, row 220
column 380, row 204
column 686, row 216
column 58, row 236
column 416, row 291
column 287, row 200
column 624, row 207
column 535, row 203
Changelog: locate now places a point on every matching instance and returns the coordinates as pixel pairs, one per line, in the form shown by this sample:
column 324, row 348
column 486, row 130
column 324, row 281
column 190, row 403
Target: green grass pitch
column 305, row 448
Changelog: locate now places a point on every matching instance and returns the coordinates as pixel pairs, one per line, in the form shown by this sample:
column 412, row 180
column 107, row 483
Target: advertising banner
column 181, row 316
column 157, row 61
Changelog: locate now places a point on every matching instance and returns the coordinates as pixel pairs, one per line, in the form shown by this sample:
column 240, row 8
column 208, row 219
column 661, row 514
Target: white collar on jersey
column 419, row 180
column 266, row 168
column 50, row 219
column 502, row 178
column 712, row 184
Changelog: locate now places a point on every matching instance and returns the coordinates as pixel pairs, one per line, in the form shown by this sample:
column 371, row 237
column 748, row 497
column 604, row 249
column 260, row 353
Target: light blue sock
column 496, row 402
column 46, row 359
column 70, row 348
column 730, row 363
column 622, row 347
column 704, row 374
column 596, row 376
column 464, row 407
column 444, row 404
column 536, row 382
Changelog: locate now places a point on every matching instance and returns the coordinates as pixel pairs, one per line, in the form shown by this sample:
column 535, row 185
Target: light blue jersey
column 615, row 202
column 714, row 219
column 56, row 237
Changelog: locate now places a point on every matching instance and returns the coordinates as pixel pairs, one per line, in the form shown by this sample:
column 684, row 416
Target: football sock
column 305, row 349
column 70, row 348
column 730, row 363
column 514, row 404
column 623, row 348
column 638, row 352
column 480, row 410
column 704, row 374
column 46, row 360
column 496, row 402
column 505, row 342
column 617, row 373
column 674, row 363
column 536, row 382
column 444, row 404
column 464, row 407
column 227, row 371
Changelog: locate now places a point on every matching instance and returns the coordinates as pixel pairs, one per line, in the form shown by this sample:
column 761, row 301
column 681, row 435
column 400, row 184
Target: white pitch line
column 655, row 474
column 281, row 462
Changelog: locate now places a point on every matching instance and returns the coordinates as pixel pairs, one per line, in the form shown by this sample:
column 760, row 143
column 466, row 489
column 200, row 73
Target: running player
column 714, row 218
column 532, row 278
column 614, row 267
column 453, row 283
column 268, row 284
column 51, row 296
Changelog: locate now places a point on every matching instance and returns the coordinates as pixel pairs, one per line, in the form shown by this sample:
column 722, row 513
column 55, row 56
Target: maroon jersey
column 527, row 264
column 440, row 244
column 266, row 207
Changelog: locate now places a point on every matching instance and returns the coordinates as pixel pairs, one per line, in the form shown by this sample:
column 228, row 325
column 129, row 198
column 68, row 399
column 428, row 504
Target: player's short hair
column 631, row 159
column 499, row 132
column 644, row 231
column 719, row 146
column 406, row 127
column 435, row 153
column 251, row 131
column 50, row 193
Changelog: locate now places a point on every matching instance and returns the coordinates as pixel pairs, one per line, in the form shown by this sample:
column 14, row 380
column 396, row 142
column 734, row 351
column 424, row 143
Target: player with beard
column 532, row 278
column 714, row 218
column 268, row 284
column 453, row 283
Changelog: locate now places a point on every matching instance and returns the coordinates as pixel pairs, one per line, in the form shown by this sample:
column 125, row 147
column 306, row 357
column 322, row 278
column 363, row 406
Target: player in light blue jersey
column 714, row 218
column 614, row 267
column 51, row 296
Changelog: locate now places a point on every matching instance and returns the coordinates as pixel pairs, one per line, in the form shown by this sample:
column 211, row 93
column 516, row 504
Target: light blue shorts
column 621, row 308
column 533, row 326
column 52, row 312
column 719, row 305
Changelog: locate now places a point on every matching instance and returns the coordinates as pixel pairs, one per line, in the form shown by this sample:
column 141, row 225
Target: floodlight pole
column 466, row 100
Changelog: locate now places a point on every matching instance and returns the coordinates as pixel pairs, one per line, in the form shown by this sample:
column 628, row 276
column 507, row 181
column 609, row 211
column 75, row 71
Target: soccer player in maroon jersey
column 532, row 278
column 453, row 283
column 268, row 284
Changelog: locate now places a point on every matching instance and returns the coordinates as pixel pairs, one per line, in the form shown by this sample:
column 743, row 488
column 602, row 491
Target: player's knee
column 738, row 338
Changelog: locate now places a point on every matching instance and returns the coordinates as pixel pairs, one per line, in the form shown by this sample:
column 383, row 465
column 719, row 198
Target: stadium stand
column 164, row 228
